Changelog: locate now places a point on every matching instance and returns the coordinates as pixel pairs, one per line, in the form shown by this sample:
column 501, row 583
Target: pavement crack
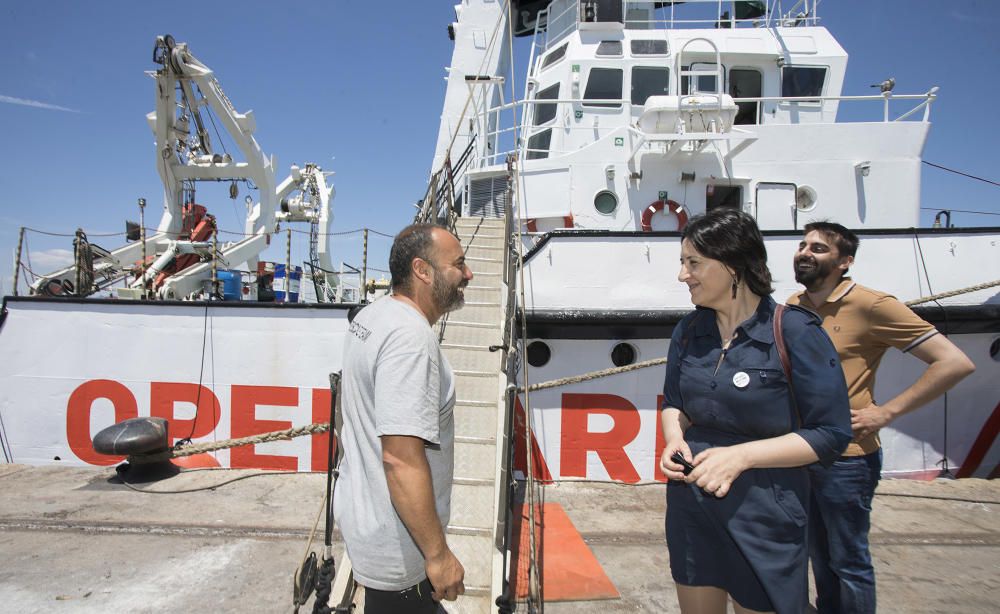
column 633, row 538
column 179, row 530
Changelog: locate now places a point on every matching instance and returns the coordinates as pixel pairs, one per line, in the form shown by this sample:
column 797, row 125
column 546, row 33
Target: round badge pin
column 741, row 380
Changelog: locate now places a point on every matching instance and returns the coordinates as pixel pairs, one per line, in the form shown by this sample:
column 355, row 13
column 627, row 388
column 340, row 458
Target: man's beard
column 447, row 298
column 812, row 277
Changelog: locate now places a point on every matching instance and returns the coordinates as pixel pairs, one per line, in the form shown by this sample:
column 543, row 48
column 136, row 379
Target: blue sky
column 356, row 87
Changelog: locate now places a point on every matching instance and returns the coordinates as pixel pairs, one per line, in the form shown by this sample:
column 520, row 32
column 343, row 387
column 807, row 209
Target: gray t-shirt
column 396, row 381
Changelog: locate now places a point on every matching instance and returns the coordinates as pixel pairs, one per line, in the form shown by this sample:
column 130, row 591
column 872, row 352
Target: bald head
column 414, row 241
column 428, row 269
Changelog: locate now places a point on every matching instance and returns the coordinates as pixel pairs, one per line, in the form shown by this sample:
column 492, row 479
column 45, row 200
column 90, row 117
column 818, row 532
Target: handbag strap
column 779, row 342
column 786, row 364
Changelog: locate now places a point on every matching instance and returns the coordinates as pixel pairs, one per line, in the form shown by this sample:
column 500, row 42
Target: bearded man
column 863, row 324
column 398, row 398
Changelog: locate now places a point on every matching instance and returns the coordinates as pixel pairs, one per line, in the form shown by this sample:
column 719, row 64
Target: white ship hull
column 74, row 368
column 608, row 429
column 602, row 289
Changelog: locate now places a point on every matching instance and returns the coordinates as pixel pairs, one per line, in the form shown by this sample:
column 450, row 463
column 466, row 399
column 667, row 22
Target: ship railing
column 439, row 202
column 801, row 13
column 510, row 360
column 543, row 38
column 329, row 285
column 505, row 138
column 886, row 98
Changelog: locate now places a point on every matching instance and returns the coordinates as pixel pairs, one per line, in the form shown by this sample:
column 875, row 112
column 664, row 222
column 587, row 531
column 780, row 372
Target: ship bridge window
column 649, row 47
column 538, row 145
column 610, row 48
column 649, row 81
column 545, row 113
column 555, row 56
column 746, row 83
column 604, row 84
column 802, row 81
column 723, row 197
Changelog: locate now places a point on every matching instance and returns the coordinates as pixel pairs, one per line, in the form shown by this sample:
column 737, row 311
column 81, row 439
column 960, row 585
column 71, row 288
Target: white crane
column 186, row 90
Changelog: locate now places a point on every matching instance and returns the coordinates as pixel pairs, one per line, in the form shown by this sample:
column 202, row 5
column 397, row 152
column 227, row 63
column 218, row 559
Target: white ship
column 636, row 116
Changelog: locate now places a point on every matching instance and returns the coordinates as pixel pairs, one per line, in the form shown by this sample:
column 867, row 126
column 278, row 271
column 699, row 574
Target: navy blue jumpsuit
column 752, row 542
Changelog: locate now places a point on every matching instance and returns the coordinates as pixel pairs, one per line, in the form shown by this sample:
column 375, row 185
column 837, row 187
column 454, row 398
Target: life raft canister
column 532, row 223
column 676, row 209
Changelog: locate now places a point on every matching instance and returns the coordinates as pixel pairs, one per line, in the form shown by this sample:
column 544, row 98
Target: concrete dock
column 77, row 540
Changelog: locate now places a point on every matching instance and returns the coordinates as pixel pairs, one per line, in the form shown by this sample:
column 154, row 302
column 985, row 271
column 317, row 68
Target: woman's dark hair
column 732, row 237
column 414, row 241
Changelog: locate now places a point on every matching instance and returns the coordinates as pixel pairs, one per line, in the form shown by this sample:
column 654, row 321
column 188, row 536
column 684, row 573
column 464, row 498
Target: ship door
column 776, row 206
column 746, row 83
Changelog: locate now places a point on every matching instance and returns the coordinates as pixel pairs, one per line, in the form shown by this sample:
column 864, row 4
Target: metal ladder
column 477, row 525
column 477, row 491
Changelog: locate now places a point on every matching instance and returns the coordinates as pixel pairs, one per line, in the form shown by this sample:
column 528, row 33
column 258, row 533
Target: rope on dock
column 201, row 448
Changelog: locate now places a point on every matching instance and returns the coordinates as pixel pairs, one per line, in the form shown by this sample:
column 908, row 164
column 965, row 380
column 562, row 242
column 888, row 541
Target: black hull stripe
column 628, row 324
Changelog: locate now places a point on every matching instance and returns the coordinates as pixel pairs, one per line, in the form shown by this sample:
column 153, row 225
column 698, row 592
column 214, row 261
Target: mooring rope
column 575, row 379
column 950, row 293
column 201, row 448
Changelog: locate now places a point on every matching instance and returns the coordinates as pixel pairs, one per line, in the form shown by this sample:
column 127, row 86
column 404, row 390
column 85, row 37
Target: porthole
column 995, row 349
column 539, row 353
column 624, row 354
column 805, row 198
column 606, row 202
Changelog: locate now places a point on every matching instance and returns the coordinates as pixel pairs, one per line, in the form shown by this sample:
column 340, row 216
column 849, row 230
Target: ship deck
column 75, row 540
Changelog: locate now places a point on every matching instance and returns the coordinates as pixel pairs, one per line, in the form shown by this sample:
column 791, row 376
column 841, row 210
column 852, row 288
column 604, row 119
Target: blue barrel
column 232, row 285
column 292, row 284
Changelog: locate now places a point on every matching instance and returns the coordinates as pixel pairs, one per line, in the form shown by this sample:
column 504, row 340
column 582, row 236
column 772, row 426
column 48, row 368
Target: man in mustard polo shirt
column 863, row 324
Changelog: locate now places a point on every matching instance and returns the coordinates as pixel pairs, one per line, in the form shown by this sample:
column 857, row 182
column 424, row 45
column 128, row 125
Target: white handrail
column 926, row 100
column 826, row 98
column 558, row 36
column 670, row 22
column 596, row 101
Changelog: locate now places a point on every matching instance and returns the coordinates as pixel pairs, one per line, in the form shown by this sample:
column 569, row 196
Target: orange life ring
column 532, row 225
column 676, row 209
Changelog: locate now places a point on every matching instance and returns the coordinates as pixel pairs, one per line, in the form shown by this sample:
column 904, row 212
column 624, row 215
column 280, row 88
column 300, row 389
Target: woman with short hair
column 736, row 515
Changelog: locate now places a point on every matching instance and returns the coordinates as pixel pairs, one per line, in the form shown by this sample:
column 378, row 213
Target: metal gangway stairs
column 476, row 531
column 476, row 344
